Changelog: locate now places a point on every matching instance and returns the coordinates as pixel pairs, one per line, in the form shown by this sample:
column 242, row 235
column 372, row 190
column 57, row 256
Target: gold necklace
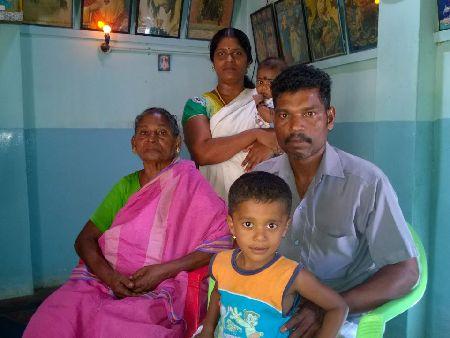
column 220, row 97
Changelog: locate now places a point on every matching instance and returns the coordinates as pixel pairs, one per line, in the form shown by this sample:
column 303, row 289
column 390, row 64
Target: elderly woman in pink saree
column 133, row 280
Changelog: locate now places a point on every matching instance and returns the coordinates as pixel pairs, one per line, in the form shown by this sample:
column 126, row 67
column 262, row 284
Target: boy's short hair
column 260, row 186
column 273, row 63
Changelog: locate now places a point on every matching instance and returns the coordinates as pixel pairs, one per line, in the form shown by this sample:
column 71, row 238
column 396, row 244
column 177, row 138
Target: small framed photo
column 265, row 33
column 206, row 17
column 444, row 14
column 362, row 24
column 292, row 31
column 159, row 18
column 115, row 13
column 324, row 29
column 164, row 62
column 48, row 13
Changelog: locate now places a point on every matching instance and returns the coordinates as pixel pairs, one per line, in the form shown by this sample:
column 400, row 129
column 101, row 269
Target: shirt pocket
column 332, row 250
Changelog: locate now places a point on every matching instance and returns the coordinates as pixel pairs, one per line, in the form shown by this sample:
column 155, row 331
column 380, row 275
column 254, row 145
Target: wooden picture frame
column 265, row 33
column 291, row 29
column 362, row 24
column 444, row 14
column 115, row 13
column 325, row 35
column 206, row 17
column 157, row 19
column 48, row 13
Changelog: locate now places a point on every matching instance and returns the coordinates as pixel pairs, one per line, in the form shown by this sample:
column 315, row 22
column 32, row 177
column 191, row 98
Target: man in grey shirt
column 347, row 226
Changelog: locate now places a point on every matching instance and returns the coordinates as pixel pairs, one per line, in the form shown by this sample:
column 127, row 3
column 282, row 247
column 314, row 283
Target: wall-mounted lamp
column 106, row 29
column 377, row 2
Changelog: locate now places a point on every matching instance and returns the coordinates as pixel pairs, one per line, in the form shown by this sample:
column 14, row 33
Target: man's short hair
column 299, row 77
column 260, row 186
column 273, row 63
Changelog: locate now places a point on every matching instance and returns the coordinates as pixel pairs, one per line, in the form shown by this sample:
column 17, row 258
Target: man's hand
column 148, row 278
column 256, row 154
column 120, row 285
column 306, row 322
column 207, row 332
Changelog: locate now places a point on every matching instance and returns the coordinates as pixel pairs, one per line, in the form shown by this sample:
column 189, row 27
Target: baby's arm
column 212, row 316
column 308, row 286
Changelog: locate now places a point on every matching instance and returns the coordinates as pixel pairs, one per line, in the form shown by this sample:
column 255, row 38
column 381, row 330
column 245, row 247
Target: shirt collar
column 331, row 163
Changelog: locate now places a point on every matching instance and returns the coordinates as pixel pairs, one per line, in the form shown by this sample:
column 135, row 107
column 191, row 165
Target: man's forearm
column 390, row 282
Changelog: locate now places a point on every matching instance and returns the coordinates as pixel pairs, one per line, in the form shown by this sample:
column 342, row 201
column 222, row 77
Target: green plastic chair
column 372, row 324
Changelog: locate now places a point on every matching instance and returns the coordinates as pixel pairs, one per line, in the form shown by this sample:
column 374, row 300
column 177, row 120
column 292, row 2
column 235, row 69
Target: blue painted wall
column 66, row 114
column 15, row 266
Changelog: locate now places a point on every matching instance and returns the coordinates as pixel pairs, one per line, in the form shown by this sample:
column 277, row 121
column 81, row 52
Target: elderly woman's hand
column 148, row 277
column 257, row 153
column 121, row 285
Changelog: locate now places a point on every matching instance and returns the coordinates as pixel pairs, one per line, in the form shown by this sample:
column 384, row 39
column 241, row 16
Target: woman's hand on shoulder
column 149, row 277
column 257, row 153
column 267, row 137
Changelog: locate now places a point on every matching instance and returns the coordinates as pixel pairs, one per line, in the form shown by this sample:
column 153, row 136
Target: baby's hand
column 258, row 99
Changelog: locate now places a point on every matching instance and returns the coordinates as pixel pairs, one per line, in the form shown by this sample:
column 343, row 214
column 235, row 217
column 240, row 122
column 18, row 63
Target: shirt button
column 297, row 242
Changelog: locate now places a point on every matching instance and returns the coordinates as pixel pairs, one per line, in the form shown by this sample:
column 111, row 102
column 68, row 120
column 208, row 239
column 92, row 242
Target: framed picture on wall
column 444, row 14
column 265, row 33
column 163, row 62
column 11, row 11
column 292, row 31
column 115, row 13
column 48, row 12
column 362, row 24
column 324, row 28
column 206, row 17
column 159, row 18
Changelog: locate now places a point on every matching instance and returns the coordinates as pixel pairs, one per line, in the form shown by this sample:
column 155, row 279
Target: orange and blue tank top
column 251, row 302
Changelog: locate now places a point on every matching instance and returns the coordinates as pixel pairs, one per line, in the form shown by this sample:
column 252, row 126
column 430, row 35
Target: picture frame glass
column 292, row 31
column 159, row 17
column 48, row 13
column 115, row 13
column 444, row 14
column 361, row 18
column 324, row 28
column 264, row 33
column 206, row 17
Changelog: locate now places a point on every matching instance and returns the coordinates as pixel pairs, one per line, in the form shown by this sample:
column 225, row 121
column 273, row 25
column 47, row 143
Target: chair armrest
column 196, row 299
column 372, row 324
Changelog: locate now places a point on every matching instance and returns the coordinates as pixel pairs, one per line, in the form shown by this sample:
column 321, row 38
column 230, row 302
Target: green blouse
column 207, row 105
column 115, row 200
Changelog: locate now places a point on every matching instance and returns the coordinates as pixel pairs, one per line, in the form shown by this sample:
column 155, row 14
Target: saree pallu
column 173, row 215
column 237, row 116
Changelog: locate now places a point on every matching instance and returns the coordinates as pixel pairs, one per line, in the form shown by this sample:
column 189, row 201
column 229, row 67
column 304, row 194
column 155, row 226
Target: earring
column 133, row 149
column 178, row 150
column 213, row 69
column 234, row 237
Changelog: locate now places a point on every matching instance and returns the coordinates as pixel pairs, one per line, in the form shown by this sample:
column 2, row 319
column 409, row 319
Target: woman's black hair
column 171, row 119
column 243, row 41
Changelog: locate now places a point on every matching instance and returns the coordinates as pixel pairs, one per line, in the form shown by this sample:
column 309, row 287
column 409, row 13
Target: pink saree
column 173, row 215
